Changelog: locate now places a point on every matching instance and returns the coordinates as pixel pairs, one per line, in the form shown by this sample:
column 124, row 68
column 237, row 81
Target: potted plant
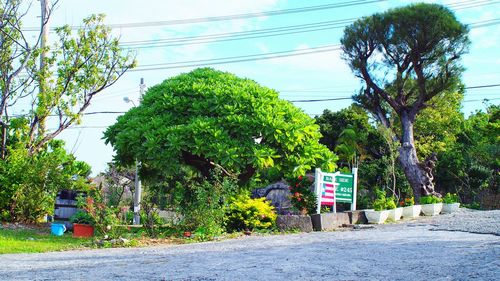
column 410, row 210
column 378, row 215
column 395, row 212
column 450, row 203
column 82, row 224
column 431, row 205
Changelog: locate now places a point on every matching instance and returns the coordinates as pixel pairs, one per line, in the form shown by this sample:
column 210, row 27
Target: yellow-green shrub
column 246, row 213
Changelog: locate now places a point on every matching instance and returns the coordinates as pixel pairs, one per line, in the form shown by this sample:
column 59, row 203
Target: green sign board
column 345, row 188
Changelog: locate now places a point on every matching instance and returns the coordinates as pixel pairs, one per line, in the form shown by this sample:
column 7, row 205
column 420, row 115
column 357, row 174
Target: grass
column 35, row 241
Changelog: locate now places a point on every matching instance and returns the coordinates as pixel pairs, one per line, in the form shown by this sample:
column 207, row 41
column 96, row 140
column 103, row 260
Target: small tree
column 55, row 82
column 406, row 57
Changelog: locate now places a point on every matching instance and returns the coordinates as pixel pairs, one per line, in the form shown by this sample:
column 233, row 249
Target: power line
column 482, row 86
column 260, row 33
column 244, row 58
column 234, row 16
column 242, row 35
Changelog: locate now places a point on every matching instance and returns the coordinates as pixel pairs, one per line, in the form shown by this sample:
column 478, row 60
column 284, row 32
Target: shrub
column 450, row 198
column 29, row 183
column 81, row 217
column 408, row 201
column 202, row 205
column 246, row 213
column 431, row 199
column 104, row 218
column 390, row 203
column 302, row 196
column 379, row 203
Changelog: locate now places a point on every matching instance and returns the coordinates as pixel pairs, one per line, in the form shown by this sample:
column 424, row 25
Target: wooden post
column 354, row 188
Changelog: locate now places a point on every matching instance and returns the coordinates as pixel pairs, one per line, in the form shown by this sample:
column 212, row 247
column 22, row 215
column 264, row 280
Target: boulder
column 278, row 194
column 294, row 222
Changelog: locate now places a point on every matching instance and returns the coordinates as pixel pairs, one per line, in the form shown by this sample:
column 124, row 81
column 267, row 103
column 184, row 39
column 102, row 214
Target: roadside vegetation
column 203, row 140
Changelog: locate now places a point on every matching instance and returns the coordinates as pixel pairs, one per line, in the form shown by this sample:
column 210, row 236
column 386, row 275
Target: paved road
column 405, row 251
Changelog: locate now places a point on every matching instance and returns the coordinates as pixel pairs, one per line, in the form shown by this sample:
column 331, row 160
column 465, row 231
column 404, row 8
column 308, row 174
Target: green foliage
column 472, row 165
column 408, row 201
column 82, row 217
column 207, row 119
column 347, row 132
column 64, row 76
column 150, row 218
column 431, row 199
column 437, row 127
column 104, row 218
column 246, row 213
column 376, row 152
column 390, row 203
column 29, row 183
column 380, row 201
column 302, row 196
column 409, row 59
column 202, row 204
column 451, row 198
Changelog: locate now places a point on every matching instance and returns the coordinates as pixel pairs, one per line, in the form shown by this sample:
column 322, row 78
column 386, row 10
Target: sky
column 153, row 30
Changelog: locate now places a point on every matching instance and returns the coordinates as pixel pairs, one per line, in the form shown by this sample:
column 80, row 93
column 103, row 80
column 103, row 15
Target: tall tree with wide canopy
column 209, row 119
column 406, row 57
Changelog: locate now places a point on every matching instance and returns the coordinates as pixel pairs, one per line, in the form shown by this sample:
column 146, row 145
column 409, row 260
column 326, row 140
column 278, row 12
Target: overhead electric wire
column 234, row 16
column 244, row 58
column 242, row 35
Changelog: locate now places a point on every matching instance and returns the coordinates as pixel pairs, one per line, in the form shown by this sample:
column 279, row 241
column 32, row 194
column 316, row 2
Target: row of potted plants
column 385, row 207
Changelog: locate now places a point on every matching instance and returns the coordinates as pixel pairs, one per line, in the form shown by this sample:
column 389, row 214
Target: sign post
column 332, row 188
column 325, row 186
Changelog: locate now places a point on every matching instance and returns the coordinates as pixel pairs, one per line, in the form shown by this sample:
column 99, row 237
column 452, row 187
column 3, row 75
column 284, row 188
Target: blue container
column 57, row 229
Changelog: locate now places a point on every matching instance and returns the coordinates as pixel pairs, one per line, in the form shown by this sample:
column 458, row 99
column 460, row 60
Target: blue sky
column 314, row 76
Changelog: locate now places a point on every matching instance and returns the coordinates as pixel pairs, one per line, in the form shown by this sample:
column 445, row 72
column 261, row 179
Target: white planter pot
column 450, row 208
column 395, row 214
column 412, row 211
column 376, row 217
column 432, row 209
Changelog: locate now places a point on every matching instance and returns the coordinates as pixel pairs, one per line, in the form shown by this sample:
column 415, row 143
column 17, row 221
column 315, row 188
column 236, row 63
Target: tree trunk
column 419, row 175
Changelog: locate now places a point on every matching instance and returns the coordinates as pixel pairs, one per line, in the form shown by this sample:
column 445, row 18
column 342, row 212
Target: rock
column 294, row 222
column 279, row 195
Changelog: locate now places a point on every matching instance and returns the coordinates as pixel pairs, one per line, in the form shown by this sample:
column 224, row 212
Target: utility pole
column 138, row 184
column 43, row 44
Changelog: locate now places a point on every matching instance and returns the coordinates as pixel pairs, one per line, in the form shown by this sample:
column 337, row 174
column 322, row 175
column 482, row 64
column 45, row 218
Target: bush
column 246, row 213
column 202, row 205
column 302, row 196
column 390, row 203
column 450, row 198
column 29, row 183
column 431, row 199
column 81, row 217
column 408, row 201
column 104, row 218
column 379, row 203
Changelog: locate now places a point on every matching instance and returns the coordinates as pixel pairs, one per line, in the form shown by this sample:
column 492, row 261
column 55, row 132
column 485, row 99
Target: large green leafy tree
column 472, row 164
column 207, row 119
column 406, row 57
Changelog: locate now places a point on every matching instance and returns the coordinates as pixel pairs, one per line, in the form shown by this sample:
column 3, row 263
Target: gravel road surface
column 460, row 246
